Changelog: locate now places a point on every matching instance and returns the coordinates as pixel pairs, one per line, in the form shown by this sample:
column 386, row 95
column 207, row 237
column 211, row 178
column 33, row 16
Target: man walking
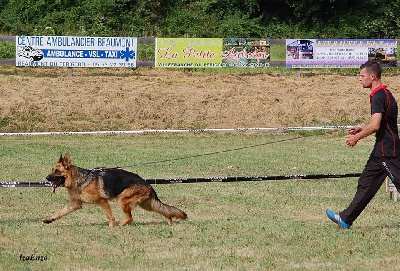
column 385, row 157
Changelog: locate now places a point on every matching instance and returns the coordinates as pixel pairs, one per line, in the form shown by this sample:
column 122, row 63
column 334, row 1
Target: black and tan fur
column 98, row 186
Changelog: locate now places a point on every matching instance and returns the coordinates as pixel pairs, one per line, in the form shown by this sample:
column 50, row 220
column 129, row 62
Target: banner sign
column 339, row 53
column 212, row 52
column 68, row 51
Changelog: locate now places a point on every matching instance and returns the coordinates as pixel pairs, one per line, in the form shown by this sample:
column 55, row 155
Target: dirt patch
column 148, row 98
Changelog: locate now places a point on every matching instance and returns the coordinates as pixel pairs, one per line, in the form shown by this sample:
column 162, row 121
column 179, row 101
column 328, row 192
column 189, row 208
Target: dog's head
column 60, row 172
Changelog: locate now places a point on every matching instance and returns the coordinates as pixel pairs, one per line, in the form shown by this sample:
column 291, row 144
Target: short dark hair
column 372, row 66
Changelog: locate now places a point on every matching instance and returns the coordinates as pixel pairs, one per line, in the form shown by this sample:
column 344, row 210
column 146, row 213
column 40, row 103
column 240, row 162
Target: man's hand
column 357, row 133
column 351, row 140
column 354, row 130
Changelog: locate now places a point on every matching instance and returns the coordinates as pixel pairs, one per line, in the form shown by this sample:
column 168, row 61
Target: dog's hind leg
column 126, row 206
column 107, row 209
column 72, row 206
column 129, row 199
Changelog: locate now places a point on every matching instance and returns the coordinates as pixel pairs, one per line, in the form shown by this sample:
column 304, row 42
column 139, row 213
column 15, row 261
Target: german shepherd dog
column 98, row 186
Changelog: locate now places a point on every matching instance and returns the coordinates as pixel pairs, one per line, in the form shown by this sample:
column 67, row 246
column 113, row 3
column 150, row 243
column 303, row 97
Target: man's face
column 365, row 78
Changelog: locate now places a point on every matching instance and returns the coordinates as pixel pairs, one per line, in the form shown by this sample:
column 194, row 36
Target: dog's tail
column 156, row 205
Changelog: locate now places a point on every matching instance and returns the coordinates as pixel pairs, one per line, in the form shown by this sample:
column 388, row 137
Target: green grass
column 7, row 49
column 278, row 52
column 265, row 225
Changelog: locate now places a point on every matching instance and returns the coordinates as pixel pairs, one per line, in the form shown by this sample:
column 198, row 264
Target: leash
column 229, row 150
column 212, row 153
column 206, row 180
column 254, row 178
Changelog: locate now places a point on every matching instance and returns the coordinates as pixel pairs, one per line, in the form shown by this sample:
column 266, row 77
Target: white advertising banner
column 69, row 51
column 336, row 53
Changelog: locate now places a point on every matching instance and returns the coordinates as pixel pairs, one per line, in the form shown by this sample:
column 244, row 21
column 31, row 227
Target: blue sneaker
column 336, row 218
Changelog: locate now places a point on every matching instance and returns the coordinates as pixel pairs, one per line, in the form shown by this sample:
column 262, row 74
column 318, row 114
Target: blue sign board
column 69, row 51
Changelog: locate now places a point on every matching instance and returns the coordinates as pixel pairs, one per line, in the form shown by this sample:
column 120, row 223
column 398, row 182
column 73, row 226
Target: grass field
column 258, row 225
column 265, row 225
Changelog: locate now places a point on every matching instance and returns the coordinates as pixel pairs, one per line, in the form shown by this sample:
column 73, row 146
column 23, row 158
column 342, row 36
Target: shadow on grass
column 39, row 222
column 383, row 226
column 18, row 221
column 63, row 222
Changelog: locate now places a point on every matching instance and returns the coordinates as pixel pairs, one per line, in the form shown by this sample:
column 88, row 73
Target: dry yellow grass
column 147, row 98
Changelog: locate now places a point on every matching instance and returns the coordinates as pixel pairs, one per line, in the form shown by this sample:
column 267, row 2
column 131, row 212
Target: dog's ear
column 66, row 161
column 60, row 159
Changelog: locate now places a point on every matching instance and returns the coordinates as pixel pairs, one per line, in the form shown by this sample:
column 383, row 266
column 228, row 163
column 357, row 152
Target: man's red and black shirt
column 387, row 138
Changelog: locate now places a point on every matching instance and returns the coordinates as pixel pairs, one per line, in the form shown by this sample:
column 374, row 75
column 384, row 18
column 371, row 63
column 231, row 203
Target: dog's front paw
column 48, row 220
